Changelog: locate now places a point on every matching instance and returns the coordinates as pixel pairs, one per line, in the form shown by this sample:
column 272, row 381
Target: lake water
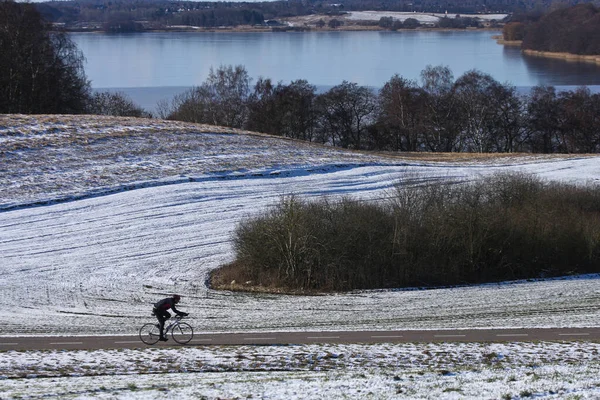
column 153, row 66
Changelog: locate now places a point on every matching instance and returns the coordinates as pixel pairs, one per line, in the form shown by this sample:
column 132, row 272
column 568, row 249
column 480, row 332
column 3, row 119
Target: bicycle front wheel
column 149, row 333
column 182, row 333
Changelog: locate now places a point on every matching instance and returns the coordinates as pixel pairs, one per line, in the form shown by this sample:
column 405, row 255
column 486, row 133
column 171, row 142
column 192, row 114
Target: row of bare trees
column 474, row 113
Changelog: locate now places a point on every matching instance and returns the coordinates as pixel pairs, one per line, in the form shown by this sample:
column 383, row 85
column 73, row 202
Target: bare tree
column 41, row 70
column 164, row 108
column 227, row 89
column 346, row 110
column 474, row 90
column 299, row 117
column 264, row 114
column 401, row 112
column 580, row 129
column 220, row 100
column 189, row 106
column 443, row 118
column 507, row 122
column 286, row 110
column 542, row 120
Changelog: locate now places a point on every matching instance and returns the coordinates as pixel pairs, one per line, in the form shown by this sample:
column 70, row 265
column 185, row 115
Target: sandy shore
column 564, row 56
column 548, row 54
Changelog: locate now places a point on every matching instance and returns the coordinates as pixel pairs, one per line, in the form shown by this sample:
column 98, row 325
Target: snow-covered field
column 100, row 217
column 423, row 18
column 382, row 371
column 354, row 16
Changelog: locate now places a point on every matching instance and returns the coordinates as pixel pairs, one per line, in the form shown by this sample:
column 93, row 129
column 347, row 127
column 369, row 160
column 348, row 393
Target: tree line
column 455, row 6
column 156, row 14
column 473, row 113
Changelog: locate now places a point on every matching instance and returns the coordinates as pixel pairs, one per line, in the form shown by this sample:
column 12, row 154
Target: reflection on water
column 512, row 54
column 322, row 58
column 551, row 71
column 561, row 72
column 153, row 66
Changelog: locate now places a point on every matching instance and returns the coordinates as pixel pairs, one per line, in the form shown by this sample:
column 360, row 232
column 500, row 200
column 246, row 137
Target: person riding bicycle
column 161, row 313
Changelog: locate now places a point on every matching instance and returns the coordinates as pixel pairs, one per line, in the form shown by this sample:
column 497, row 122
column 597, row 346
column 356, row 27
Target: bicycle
column 181, row 332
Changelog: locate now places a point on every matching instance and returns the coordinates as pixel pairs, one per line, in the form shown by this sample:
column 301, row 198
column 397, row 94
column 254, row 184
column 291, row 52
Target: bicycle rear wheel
column 182, row 333
column 149, row 333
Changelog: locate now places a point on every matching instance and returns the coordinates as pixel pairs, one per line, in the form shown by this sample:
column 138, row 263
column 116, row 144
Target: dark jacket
column 165, row 304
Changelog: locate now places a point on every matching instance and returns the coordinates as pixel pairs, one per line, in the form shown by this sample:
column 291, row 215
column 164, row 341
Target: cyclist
column 161, row 313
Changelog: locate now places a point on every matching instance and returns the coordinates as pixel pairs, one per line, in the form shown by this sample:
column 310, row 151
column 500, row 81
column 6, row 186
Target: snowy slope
column 81, row 252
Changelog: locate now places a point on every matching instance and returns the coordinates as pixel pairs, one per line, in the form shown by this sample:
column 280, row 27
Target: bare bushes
column 499, row 228
column 115, row 103
column 220, row 100
column 321, row 245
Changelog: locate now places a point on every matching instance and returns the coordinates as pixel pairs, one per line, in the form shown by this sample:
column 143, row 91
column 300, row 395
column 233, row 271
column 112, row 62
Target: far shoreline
column 588, row 58
column 593, row 59
column 253, row 29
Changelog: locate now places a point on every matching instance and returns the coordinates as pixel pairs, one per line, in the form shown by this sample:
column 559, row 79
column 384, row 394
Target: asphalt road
column 279, row 338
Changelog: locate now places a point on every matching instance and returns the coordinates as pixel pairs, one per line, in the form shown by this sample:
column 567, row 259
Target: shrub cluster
column 504, row 227
column 116, row 104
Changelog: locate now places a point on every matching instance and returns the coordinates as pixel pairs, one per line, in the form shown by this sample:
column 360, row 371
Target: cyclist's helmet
column 176, row 297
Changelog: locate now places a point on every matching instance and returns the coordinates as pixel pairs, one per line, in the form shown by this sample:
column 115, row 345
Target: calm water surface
column 149, row 65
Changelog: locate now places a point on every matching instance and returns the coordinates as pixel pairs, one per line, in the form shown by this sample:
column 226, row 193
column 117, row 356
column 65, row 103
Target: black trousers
column 162, row 316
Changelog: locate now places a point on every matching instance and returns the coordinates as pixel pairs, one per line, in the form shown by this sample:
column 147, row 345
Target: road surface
column 279, row 338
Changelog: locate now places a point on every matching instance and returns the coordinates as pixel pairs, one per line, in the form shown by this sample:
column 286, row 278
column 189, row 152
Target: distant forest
column 132, row 15
column 574, row 30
